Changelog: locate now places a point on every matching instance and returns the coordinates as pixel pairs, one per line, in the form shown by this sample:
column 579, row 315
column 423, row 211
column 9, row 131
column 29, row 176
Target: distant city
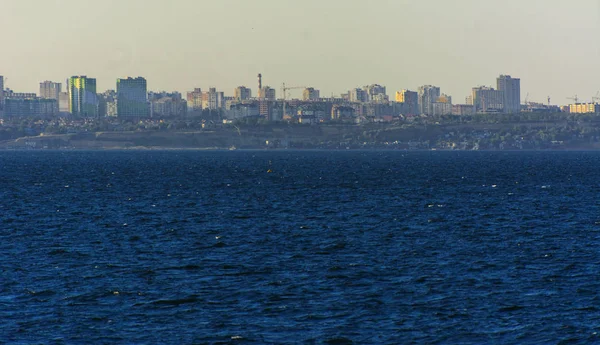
column 131, row 99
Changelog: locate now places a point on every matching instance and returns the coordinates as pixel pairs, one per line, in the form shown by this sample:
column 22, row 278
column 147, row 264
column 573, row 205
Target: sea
column 299, row 247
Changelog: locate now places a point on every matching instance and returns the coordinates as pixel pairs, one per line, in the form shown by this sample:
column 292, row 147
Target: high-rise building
column 194, row 100
column 487, row 100
column 310, row 94
column 132, row 97
column 375, row 92
column 358, row 96
column 242, row 93
column 409, row 100
column 83, row 100
column 511, row 87
column 50, row 90
column 212, row 99
column 267, row 93
column 428, row 95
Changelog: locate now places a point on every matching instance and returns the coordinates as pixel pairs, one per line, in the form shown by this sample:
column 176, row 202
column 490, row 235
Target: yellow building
column 584, row 108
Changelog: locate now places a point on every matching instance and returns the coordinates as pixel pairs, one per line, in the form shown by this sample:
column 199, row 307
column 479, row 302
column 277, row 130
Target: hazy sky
column 333, row 45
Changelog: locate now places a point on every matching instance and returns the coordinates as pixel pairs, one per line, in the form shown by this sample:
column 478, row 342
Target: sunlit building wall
column 83, row 100
column 132, row 98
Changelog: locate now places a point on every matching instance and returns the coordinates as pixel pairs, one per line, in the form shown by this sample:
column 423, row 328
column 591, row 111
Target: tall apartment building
column 358, row 96
column 50, row 90
column 375, row 92
column 212, row 99
column 242, row 93
column 487, row 100
column 409, row 101
column 511, row 87
column 132, row 97
column 267, row 93
column 194, row 100
column 83, row 100
column 311, row 94
column 428, row 95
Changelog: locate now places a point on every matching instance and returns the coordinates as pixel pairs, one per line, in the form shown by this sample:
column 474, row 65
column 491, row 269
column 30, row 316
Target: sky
column 332, row 45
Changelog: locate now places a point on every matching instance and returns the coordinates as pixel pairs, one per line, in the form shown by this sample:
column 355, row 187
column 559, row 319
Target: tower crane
column 285, row 90
column 575, row 98
column 596, row 98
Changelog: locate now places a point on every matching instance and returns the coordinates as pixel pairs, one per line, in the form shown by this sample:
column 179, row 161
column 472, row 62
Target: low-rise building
column 584, row 108
column 30, row 107
column 168, row 106
column 463, row 109
column 341, row 112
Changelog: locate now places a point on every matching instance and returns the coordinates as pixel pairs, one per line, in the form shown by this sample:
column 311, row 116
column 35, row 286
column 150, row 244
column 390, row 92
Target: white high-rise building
column 511, row 87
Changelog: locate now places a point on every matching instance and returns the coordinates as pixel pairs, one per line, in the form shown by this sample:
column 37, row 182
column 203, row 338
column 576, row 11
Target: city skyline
column 330, row 46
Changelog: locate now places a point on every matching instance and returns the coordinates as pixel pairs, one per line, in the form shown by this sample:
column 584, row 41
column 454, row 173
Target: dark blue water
column 177, row 247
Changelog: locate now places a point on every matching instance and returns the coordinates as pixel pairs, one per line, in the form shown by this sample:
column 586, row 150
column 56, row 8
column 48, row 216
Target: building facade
column 83, row 101
column 212, row 99
column 63, row 102
column 358, row 96
column 168, row 106
column 132, row 97
column 194, row 100
column 442, row 108
column 463, row 109
column 311, row 94
column 242, row 93
column 267, row 93
column 487, row 100
column 584, row 108
column 428, row 95
column 30, row 107
column 511, row 87
column 50, row 90
column 8, row 93
column 409, row 102
column 375, row 93
column 107, row 104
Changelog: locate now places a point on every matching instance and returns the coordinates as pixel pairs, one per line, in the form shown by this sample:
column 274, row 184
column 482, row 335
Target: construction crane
column 285, row 90
column 597, row 97
column 548, row 100
column 575, row 98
